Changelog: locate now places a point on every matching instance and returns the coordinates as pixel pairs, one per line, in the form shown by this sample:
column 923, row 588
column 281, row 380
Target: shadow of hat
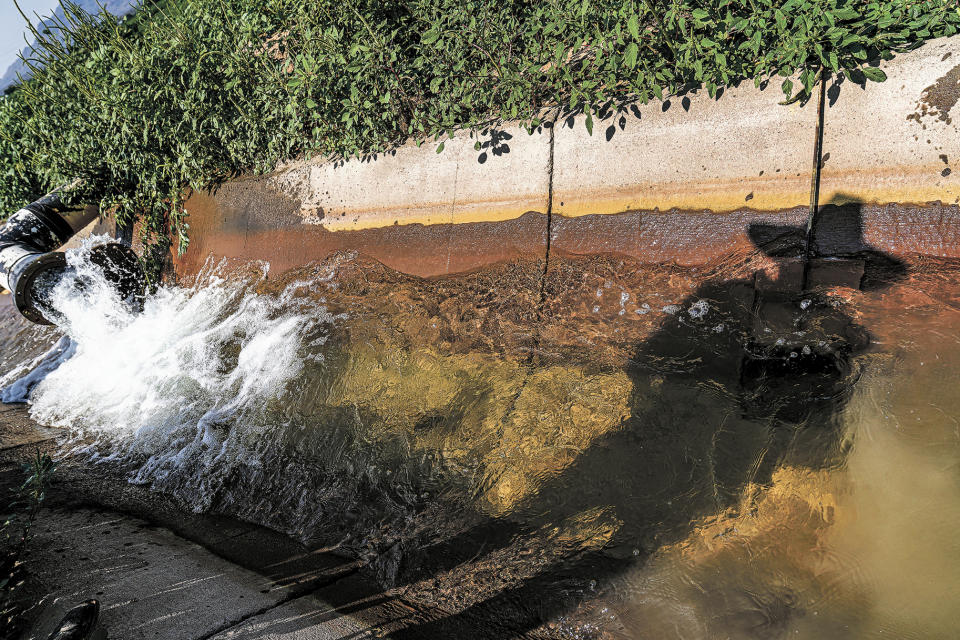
column 837, row 234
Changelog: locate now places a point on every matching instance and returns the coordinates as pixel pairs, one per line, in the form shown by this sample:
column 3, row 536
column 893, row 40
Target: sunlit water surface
column 693, row 494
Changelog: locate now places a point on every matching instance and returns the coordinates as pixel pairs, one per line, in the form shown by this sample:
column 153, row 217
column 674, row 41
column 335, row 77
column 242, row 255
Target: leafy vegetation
column 15, row 534
column 191, row 92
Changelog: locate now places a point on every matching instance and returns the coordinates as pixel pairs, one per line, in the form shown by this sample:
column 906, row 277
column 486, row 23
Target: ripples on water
column 785, row 469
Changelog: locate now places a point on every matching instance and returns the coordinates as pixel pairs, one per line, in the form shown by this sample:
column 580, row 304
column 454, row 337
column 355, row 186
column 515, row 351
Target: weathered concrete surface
column 151, row 583
column 310, row 618
column 507, row 177
column 889, row 150
column 693, row 153
column 19, row 430
column 413, row 209
column 347, row 610
column 895, row 141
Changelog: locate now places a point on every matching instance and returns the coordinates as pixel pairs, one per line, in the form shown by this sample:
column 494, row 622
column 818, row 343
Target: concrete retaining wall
column 678, row 181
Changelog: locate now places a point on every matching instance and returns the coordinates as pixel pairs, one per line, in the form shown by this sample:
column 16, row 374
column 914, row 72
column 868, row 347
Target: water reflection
column 746, row 378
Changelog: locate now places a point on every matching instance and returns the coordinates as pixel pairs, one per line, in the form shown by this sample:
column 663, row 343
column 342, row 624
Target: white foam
column 37, row 369
column 188, row 378
column 699, row 309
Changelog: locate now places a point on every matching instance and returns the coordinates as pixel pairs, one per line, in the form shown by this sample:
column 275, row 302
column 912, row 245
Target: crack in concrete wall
column 546, row 258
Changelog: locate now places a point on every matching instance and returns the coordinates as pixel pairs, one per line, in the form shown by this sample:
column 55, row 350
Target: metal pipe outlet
column 29, row 260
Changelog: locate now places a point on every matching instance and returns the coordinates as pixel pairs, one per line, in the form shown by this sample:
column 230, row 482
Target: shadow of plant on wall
column 747, row 376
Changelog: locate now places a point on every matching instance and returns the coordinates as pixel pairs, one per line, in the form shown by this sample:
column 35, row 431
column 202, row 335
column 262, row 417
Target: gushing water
column 182, row 384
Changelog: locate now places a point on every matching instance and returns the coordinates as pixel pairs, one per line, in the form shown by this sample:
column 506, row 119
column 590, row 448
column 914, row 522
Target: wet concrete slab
column 150, row 582
column 158, row 571
column 283, row 562
column 313, row 618
column 302, row 619
column 19, row 430
column 348, row 610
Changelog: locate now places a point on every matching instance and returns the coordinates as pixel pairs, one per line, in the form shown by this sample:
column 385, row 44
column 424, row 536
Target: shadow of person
column 837, row 235
column 745, row 376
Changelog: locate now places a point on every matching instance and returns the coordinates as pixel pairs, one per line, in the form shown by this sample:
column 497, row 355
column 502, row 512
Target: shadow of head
column 838, row 250
column 778, row 240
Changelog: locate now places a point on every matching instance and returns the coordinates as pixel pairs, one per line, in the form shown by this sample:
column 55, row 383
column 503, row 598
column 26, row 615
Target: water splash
column 39, row 368
column 182, row 384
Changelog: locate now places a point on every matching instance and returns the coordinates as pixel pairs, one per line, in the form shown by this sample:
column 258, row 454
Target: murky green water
column 857, row 541
column 745, row 465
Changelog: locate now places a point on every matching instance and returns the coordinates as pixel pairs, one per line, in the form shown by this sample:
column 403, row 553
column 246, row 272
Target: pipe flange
column 23, row 291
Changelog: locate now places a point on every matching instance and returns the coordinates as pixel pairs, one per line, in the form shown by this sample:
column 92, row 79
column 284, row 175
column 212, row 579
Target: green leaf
column 588, row 123
column 846, row 14
column 440, row 147
column 630, row 55
column 849, row 39
column 875, row 74
column 429, row 37
column 633, row 27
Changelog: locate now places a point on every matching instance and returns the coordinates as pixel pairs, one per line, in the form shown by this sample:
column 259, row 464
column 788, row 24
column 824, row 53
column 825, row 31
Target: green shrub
column 191, row 92
column 16, row 525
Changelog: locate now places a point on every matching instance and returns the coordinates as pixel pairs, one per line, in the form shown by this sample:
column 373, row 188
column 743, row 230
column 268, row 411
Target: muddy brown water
column 657, row 452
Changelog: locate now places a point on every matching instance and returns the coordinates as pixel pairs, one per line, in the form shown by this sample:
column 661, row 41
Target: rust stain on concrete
column 766, row 193
column 429, row 213
column 693, row 238
column 252, row 224
column 684, row 238
column 260, row 225
column 909, row 185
